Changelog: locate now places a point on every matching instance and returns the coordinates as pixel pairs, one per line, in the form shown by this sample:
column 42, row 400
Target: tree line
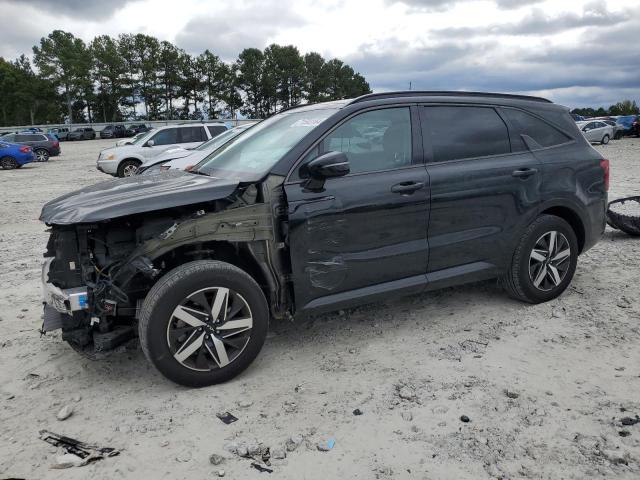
column 138, row 77
column 625, row 107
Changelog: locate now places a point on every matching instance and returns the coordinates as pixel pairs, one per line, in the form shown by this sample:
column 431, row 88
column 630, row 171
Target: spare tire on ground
column 625, row 217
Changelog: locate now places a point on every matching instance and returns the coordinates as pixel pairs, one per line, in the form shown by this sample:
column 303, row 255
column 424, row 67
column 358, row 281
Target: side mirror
column 150, row 143
column 330, row 164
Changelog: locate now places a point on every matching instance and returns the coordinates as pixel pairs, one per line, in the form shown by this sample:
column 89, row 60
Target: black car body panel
column 133, row 195
column 407, row 211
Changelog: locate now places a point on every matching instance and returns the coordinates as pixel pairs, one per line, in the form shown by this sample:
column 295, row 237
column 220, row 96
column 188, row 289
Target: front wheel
column 203, row 323
column 128, row 168
column 605, row 140
column 544, row 261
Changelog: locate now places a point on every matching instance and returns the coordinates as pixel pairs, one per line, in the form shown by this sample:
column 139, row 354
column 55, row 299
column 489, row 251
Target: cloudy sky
column 576, row 52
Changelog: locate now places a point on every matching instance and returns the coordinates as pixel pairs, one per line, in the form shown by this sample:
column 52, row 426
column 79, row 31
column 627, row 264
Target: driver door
column 364, row 234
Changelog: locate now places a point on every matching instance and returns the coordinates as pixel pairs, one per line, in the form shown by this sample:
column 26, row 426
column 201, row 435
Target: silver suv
column 124, row 161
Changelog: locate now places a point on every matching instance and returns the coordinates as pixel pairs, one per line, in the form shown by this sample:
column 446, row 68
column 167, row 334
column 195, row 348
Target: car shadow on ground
column 439, row 311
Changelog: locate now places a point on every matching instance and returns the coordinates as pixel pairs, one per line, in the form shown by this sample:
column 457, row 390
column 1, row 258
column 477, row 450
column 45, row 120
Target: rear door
column 191, row 137
column 363, row 234
column 483, row 191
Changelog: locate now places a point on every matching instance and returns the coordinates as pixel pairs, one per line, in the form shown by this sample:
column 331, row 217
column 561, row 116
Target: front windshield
column 141, row 138
column 217, row 141
column 263, row 145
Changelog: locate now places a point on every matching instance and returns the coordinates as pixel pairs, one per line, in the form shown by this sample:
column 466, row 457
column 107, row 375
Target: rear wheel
column 8, row 163
column 605, row 140
column 203, row 323
column 128, row 168
column 41, row 155
column 544, row 261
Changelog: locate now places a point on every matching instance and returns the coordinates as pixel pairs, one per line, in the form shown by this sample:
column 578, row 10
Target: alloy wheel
column 42, row 156
column 209, row 329
column 7, row 163
column 130, row 170
column 549, row 261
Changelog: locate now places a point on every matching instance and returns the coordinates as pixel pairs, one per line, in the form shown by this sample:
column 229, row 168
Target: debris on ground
column 77, row 453
column 628, row 421
column 408, row 416
column 244, row 403
column 216, row 459
column 326, row 445
column 465, row 419
column 260, row 468
column 511, row 394
column 278, row 453
column 226, row 417
column 293, row 442
column 623, row 214
column 357, row 412
column 220, row 473
column 65, row 412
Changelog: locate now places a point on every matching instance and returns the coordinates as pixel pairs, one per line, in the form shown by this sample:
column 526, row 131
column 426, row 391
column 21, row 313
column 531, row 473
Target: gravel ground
column 544, row 387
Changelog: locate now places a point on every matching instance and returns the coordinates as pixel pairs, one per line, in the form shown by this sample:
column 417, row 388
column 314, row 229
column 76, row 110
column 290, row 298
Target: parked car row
column 603, row 129
column 43, row 145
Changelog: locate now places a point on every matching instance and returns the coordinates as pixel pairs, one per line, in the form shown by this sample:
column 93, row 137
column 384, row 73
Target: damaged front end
column 96, row 275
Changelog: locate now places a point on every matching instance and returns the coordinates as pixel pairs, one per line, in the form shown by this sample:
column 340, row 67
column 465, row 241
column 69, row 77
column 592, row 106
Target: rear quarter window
column 540, row 131
column 460, row 132
column 216, row 130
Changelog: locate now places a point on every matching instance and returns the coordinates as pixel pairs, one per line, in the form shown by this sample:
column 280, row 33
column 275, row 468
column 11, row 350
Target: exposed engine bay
column 96, row 275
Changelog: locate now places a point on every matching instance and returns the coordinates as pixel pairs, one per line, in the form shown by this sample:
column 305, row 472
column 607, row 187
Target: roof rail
column 436, row 93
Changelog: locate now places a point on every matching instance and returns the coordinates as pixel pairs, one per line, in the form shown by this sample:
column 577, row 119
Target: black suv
column 113, row 131
column 323, row 207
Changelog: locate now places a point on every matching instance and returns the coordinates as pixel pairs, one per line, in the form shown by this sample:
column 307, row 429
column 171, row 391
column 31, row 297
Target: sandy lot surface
column 545, row 387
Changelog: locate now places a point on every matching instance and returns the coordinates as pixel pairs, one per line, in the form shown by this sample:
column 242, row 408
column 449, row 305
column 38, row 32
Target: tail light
column 25, row 149
column 56, row 144
column 605, row 170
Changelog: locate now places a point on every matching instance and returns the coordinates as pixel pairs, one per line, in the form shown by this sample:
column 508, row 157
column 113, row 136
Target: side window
column 168, row 136
column 465, row 132
column 22, row 138
column 543, row 133
column 216, row 130
column 372, row 141
column 192, row 134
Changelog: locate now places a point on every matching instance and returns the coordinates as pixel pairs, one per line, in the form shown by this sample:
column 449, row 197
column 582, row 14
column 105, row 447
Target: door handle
column 524, row 172
column 407, row 187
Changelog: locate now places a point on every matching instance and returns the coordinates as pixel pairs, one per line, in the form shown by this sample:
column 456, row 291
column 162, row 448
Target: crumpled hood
column 137, row 194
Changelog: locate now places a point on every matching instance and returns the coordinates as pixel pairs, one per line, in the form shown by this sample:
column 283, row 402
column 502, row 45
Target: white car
column 124, row 161
column 596, row 131
column 180, row 158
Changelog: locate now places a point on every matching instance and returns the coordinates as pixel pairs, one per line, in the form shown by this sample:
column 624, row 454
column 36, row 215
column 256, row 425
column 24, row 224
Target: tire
column 42, row 155
column 166, row 338
column 8, row 163
column 605, row 140
column 530, row 278
column 128, row 168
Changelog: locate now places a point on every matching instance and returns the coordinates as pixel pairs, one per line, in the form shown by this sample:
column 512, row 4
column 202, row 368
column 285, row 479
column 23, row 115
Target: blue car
column 13, row 155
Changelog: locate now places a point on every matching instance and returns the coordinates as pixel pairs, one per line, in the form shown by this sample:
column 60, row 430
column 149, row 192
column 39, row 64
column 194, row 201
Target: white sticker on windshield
column 307, row 122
